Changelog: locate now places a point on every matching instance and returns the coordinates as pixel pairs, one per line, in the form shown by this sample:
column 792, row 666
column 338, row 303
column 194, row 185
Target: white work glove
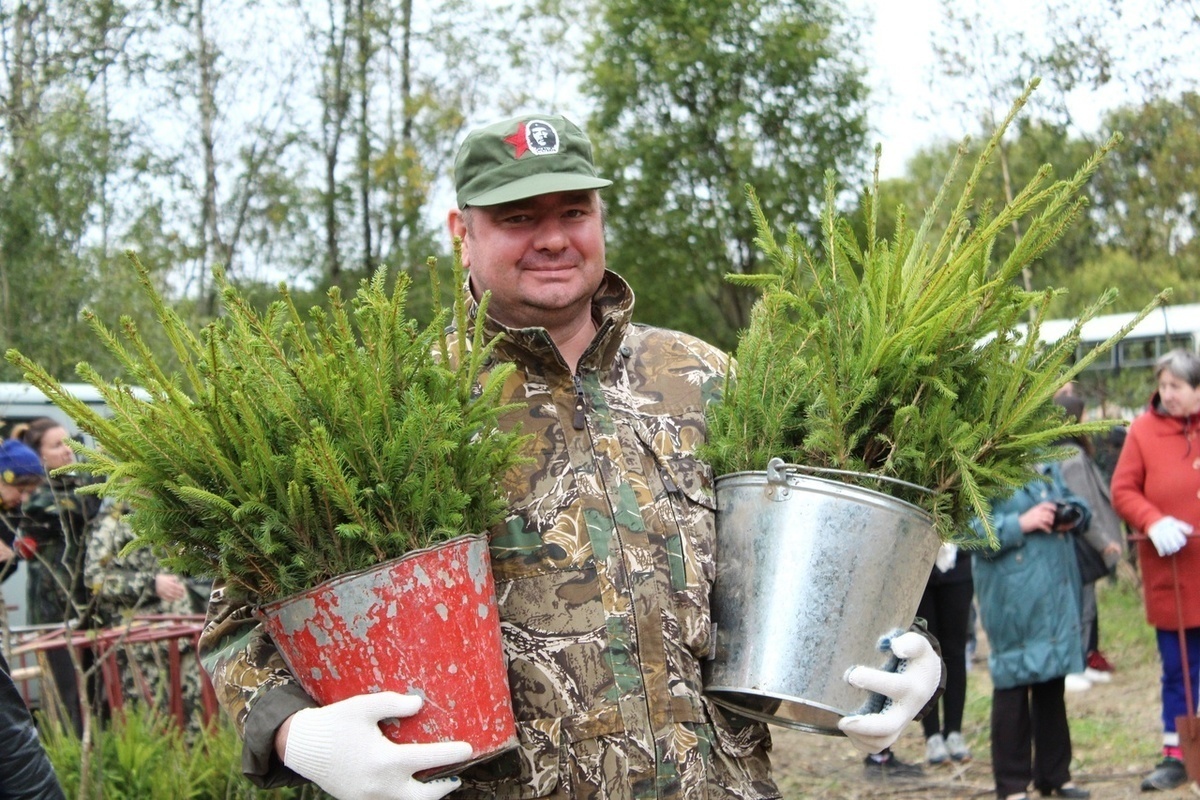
column 908, row 689
column 341, row 748
column 947, row 557
column 1169, row 535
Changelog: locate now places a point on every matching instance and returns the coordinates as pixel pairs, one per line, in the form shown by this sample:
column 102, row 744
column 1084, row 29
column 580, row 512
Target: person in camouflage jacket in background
column 605, row 563
column 124, row 585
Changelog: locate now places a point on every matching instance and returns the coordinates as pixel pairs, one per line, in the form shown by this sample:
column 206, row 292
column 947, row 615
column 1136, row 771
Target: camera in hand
column 1066, row 516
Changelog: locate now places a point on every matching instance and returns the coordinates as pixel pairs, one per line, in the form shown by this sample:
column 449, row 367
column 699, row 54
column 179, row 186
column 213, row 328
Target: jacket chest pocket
column 682, row 488
column 547, row 527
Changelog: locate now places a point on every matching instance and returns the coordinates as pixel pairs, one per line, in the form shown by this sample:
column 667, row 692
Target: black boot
column 1169, row 774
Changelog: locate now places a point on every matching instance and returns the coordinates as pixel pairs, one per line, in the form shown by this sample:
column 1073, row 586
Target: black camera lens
column 1066, row 515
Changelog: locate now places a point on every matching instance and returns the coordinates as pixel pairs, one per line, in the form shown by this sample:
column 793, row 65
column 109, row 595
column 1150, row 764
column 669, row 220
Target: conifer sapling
column 914, row 357
column 286, row 451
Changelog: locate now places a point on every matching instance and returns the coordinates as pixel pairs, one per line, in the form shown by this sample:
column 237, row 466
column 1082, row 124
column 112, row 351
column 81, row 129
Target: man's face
column 12, row 495
column 541, row 258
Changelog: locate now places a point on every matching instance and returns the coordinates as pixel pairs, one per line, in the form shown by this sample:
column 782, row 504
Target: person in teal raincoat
column 1029, row 603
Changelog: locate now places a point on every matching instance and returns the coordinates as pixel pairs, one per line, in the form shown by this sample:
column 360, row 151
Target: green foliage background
column 687, row 102
column 1137, row 231
column 693, row 101
column 142, row 754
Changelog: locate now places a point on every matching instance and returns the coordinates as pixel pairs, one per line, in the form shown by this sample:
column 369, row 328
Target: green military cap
column 523, row 157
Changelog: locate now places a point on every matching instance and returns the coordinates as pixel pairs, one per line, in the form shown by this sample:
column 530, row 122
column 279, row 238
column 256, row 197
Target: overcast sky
column 900, row 60
column 907, row 113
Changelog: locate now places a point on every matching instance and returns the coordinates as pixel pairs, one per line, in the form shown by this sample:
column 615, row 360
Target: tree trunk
column 364, row 138
column 212, row 248
column 408, row 208
column 334, row 109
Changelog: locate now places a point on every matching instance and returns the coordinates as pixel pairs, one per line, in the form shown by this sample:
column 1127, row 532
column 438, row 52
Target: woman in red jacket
column 1156, row 489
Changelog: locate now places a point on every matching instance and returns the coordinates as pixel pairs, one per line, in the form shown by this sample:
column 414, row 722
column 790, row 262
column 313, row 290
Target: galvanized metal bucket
column 813, row 577
column 425, row 623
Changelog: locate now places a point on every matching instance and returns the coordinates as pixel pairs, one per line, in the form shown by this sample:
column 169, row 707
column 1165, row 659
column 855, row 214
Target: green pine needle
column 907, row 357
column 300, row 450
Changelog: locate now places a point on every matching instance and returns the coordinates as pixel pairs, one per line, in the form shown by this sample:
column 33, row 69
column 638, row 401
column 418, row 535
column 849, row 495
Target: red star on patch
column 518, row 141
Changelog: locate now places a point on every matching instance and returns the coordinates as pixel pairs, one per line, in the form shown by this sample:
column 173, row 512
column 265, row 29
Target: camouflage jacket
column 123, row 585
column 603, row 571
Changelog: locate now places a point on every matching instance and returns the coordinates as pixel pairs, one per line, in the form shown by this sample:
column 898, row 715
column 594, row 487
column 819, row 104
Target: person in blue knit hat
column 20, row 474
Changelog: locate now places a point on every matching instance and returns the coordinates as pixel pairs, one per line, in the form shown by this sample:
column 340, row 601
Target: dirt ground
column 1109, row 765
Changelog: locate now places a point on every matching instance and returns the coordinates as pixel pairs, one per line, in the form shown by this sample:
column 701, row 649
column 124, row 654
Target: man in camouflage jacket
column 605, row 563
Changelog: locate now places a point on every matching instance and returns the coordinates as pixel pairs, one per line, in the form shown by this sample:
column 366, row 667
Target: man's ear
column 458, row 228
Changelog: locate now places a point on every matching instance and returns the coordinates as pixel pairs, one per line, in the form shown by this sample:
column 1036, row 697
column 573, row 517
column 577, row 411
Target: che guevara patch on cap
column 523, row 157
column 535, row 136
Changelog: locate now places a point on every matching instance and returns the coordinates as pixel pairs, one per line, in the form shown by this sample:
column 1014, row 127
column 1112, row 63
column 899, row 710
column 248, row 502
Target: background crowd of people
column 78, row 578
column 1036, row 594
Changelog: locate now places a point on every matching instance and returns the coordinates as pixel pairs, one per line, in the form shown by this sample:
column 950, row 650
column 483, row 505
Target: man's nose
column 551, row 235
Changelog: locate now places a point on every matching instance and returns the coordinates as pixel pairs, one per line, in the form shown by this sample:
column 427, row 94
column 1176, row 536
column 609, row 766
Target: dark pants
column 946, row 607
column 1024, row 718
column 66, row 687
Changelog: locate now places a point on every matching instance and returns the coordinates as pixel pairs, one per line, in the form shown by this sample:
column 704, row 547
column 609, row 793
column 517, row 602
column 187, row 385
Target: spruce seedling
column 286, row 451
column 911, row 357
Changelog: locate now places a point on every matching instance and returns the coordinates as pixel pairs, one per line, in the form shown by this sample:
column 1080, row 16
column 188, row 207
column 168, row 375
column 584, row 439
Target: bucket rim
column 803, row 482
column 262, row 610
column 727, row 698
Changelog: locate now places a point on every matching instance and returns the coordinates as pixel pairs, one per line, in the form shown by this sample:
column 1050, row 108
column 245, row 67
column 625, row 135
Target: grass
column 1129, row 640
column 142, row 755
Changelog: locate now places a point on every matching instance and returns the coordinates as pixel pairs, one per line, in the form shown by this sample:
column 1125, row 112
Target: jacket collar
column 612, row 309
column 1188, row 423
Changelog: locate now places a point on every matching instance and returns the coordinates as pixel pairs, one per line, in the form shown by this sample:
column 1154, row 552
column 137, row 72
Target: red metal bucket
column 425, row 623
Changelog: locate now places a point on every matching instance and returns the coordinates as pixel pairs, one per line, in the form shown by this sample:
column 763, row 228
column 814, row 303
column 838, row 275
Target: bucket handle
column 777, row 470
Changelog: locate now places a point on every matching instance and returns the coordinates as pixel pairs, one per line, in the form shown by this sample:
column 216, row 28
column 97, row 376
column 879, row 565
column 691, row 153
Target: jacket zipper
column 579, row 422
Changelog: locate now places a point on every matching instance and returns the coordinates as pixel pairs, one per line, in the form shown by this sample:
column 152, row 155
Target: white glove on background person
column 1169, row 535
column 947, row 557
column 340, row 748
column 908, row 689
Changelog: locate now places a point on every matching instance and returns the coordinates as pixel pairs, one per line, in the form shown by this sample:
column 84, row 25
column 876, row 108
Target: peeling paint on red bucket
column 425, row 623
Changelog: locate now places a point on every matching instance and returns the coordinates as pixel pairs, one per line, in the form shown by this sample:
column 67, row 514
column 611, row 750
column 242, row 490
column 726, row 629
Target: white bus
column 1165, row 329
column 1120, row 381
